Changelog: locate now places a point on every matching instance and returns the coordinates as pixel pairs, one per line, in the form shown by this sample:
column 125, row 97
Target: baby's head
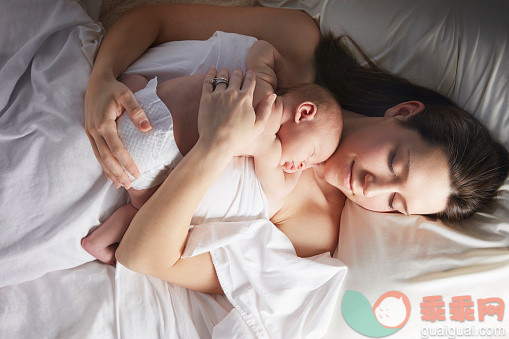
column 311, row 126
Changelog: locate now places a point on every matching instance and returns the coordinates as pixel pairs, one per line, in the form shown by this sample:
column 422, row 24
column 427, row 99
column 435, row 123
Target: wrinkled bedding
column 51, row 195
column 55, row 193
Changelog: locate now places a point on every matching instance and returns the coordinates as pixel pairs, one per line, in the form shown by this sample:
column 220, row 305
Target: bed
column 48, row 281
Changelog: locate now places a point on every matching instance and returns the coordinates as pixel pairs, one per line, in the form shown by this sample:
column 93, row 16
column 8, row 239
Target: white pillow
column 460, row 48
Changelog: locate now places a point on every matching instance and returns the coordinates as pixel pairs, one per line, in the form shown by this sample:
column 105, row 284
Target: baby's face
column 306, row 144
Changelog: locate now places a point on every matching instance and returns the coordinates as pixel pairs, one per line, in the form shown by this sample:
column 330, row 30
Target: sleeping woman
column 402, row 147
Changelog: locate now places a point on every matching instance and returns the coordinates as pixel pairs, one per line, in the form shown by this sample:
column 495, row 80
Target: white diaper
column 154, row 152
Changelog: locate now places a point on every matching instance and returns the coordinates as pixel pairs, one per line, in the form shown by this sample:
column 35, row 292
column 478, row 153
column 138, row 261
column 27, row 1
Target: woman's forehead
column 428, row 185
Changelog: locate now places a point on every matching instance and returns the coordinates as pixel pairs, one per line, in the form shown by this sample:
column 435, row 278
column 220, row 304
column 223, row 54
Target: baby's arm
column 266, row 62
column 276, row 183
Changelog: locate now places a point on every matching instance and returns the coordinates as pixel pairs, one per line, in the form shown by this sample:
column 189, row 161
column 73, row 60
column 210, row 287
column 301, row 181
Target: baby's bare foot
column 104, row 254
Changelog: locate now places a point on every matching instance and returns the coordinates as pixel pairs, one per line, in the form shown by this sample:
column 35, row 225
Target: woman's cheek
column 376, row 204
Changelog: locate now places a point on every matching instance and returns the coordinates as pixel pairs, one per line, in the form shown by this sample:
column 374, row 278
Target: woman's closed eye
column 392, row 156
column 404, row 170
column 391, row 201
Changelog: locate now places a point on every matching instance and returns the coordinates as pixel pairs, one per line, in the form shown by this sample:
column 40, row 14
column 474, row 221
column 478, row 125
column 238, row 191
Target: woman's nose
column 375, row 186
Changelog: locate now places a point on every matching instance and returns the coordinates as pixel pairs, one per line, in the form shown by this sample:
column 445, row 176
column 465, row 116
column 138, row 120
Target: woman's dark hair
column 478, row 164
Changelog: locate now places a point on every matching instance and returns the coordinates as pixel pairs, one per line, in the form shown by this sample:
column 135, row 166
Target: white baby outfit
column 154, row 152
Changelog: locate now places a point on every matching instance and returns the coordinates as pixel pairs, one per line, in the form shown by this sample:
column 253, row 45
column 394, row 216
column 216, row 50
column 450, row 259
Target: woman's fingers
column 236, row 79
column 208, row 87
column 120, row 153
column 107, row 172
column 131, row 106
column 227, row 119
column 112, row 155
column 264, row 110
column 249, row 83
column 222, row 74
column 111, row 162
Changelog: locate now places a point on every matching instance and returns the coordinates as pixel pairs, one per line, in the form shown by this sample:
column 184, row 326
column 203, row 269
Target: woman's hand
column 105, row 100
column 226, row 116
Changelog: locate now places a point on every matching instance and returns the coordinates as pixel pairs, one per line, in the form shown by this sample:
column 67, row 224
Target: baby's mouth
column 291, row 167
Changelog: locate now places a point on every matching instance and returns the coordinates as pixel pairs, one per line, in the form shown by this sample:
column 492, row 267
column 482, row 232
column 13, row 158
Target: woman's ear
column 305, row 111
column 404, row 110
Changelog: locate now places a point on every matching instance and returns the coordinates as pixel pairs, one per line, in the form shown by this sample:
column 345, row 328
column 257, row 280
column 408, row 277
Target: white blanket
column 274, row 293
column 51, row 188
column 53, row 191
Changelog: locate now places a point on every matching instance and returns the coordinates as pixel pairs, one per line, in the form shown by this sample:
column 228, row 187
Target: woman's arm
column 156, row 237
column 293, row 33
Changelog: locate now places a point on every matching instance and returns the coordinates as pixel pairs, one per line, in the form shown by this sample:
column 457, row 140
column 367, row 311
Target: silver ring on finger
column 219, row 80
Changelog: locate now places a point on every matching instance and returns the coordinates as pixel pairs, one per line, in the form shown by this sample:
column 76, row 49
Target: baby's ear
column 305, row 111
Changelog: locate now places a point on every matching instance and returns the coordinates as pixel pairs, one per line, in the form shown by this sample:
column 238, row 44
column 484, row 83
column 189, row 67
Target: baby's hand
column 266, row 142
column 267, row 137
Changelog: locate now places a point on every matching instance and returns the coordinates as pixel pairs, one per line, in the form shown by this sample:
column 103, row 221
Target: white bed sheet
column 73, row 303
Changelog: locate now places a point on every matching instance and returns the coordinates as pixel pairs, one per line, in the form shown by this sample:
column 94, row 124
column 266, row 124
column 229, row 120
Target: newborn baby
column 303, row 130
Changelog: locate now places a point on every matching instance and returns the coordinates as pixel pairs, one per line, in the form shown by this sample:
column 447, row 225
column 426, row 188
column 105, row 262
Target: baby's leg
column 139, row 197
column 103, row 241
column 135, row 82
